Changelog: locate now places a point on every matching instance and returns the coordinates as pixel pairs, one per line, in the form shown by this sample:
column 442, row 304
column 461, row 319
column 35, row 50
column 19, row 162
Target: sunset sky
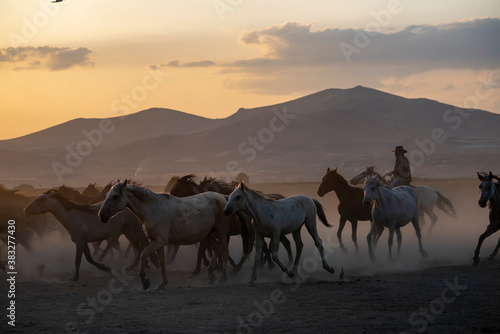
column 89, row 58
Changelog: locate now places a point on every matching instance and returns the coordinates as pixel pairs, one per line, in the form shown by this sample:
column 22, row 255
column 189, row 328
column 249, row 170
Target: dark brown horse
column 187, row 186
column 490, row 194
column 350, row 206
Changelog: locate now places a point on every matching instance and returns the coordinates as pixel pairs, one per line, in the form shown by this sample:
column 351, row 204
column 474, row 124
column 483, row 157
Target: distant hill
column 291, row 141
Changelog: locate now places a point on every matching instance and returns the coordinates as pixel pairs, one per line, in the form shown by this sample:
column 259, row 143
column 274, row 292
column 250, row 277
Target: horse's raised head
column 115, row 201
column 236, row 199
column 370, row 190
column 327, row 182
column 361, row 176
column 487, row 188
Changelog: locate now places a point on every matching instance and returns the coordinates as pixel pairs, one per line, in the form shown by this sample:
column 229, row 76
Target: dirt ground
column 441, row 294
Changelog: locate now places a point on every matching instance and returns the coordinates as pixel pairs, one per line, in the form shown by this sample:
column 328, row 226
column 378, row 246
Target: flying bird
column 56, row 1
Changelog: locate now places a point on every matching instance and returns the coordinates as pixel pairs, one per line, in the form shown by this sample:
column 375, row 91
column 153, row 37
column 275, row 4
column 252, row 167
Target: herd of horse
column 210, row 211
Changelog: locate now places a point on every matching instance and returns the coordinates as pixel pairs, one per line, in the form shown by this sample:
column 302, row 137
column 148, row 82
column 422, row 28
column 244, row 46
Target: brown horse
column 350, row 206
column 83, row 225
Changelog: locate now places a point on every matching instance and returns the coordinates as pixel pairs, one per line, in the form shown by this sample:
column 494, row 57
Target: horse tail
column 321, row 213
column 445, row 204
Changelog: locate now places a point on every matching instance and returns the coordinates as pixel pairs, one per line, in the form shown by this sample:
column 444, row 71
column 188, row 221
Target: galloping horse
column 392, row 208
column 83, row 226
column 273, row 218
column 427, row 197
column 350, row 206
column 490, row 194
column 186, row 186
column 169, row 219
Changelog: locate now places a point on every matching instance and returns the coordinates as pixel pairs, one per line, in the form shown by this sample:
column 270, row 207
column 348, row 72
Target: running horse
column 490, row 194
column 350, row 206
column 273, row 218
column 392, row 208
column 427, row 197
column 167, row 219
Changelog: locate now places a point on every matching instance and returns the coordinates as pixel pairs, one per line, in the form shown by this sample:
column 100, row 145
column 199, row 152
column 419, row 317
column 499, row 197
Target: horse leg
column 153, row 245
column 373, row 227
column 212, row 243
column 273, row 246
column 400, row 238
column 201, row 253
column 489, row 231
column 223, row 240
column 354, row 225
column 389, row 242
column 109, row 245
column 267, row 257
column 286, row 243
column 161, row 257
column 419, row 236
column 78, row 261
column 97, row 246
column 311, row 228
column 299, row 245
column 172, row 253
column 377, row 235
column 259, row 241
column 434, row 219
column 88, row 256
column 339, row 233
column 492, row 256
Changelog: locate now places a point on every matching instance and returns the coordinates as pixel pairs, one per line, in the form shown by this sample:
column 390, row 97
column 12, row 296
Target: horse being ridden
column 273, row 218
column 169, row 219
column 427, row 197
column 392, row 208
column 490, row 194
column 350, row 206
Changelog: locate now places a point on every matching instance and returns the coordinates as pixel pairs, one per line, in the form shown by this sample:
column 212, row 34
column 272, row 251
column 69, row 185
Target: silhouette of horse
column 350, row 206
column 427, row 197
column 272, row 218
column 82, row 223
column 169, row 219
column 392, row 208
column 490, row 194
column 91, row 191
column 187, row 186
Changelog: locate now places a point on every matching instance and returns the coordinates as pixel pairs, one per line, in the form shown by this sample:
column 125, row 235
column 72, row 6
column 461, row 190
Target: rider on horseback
column 401, row 175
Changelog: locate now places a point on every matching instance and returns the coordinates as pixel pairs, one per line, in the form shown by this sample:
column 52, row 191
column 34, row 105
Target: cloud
column 175, row 63
column 45, row 57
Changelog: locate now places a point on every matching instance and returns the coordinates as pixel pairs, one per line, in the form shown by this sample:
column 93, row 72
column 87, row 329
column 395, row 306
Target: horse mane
column 220, row 185
column 143, row 193
column 69, row 205
column 259, row 193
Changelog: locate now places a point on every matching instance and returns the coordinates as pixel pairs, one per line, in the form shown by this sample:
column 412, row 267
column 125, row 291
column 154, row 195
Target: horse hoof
column 160, row 286
column 475, row 262
column 74, row 279
column 290, row 274
column 194, row 273
column 425, row 255
column 107, row 269
column 251, row 283
column 344, row 250
column 146, row 283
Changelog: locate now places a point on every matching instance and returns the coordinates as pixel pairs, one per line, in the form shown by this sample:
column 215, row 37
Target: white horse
column 490, row 193
column 273, row 218
column 392, row 208
column 167, row 219
column 427, row 197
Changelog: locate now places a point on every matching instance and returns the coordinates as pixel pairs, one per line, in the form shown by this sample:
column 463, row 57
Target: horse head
column 185, row 186
column 370, row 190
column 115, row 201
column 361, row 176
column 236, row 199
column 328, row 182
column 487, row 187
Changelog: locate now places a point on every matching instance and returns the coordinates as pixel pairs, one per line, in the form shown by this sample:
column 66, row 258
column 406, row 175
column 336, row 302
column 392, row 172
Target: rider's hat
column 400, row 149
